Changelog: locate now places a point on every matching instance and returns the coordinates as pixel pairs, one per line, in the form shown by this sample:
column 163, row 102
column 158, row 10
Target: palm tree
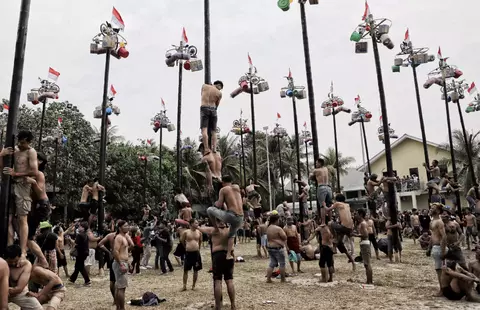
column 227, row 149
column 461, row 156
column 112, row 135
column 331, row 164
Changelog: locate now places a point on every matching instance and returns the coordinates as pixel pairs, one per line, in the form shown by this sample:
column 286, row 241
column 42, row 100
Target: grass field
column 407, row 285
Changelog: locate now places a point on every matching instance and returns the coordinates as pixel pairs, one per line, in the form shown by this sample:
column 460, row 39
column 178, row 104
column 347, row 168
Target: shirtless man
column 365, row 249
column 120, row 264
column 276, row 244
column 437, row 227
column 262, row 239
column 230, row 196
column 372, row 235
column 25, row 165
column 108, row 241
column 457, row 283
column 84, row 205
column 4, row 275
column 40, row 209
column 18, row 280
column 213, row 167
column 324, row 191
column 415, row 220
column 185, row 213
column 452, row 240
column 92, row 245
column 221, row 267
column 472, row 229
column 394, row 243
column 253, row 198
column 192, row 238
column 211, row 96
column 434, row 169
column 372, row 192
column 94, row 200
column 53, row 291
column 293, row 243
column 180, row 199
column 61, row 257
column 345, row 226
column 472, row 196
column 326, row 252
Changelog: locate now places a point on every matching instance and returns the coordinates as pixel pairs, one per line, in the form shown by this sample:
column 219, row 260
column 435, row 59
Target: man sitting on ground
column 53, row 291
column 457, row 283
column 4, row 274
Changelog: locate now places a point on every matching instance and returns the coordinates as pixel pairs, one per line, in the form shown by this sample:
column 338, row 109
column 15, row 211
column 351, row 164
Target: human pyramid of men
column 235, row 213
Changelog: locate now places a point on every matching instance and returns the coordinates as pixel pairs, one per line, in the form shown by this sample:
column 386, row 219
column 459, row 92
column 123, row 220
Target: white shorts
column 90, row 260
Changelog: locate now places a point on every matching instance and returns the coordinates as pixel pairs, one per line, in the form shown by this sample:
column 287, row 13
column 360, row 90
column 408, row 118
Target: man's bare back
column 291, row 230
column 327, row 237
column 233, row 199
column 344, row 214
column 85, row 193
column 38, row 186
column 211, row 96
column 185, row 214
column 321, row 175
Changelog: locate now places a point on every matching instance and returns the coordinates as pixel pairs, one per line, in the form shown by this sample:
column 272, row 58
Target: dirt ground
column 407, row 285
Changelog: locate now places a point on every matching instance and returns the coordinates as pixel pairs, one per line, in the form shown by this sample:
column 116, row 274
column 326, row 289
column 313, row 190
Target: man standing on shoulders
column 94, row 201
column 192, row 238
column 120, row 264
column 25, row 165
column 365, row 248
column 276, row 244
column 324, row 191
column 230, row 196
column 53, row 291
column 18, row 280
column 221, row 267
column 211, row 96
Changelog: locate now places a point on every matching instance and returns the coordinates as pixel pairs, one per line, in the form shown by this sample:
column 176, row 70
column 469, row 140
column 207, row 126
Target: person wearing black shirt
column 424, row 219
column 81, row 245
column 164, row 247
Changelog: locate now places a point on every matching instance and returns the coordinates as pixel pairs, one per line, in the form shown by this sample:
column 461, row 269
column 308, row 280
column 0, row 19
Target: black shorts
column 33, row 223
column 326, row 256
column 248, row 233
column 450, row 294
column 42, row 210
column 193, row 260
column 93, row 207
column 61, row 262
column 257, row 212
column 373, row 240
column 208, row 118
column 259, row 239
column 179, row 251
column 240, row 232
column 84, row 208
column 222, row 268
column 112, row 273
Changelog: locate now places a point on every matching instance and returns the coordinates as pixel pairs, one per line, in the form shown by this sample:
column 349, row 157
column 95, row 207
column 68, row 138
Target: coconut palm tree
column 228, row 151
column 331, row 164
column 461, row 156
column 112, row 135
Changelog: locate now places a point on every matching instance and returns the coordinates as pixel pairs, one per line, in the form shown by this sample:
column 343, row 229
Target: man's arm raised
column 221, row 199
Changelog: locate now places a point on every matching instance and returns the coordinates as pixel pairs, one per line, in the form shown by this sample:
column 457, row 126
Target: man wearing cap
column 48, row 244
column 211, row 96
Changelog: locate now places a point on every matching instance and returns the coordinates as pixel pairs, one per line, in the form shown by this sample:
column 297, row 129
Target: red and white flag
column 6, row 107
column 472, row 89
column 163, row 104
column 184, row 36
column 278, row 115
column 305, row 124
column 52, row 74
column 407, row 36
column 289, row 73
column 367, row 11
column 117, row 19
column 357, row 100
column 149, row 141
column 60, row 120
column 112, row 91
column 381, row 117
column 439, row 54
column 250, row 60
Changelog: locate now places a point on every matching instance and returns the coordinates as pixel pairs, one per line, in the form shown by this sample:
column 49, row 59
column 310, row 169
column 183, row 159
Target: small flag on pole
column 52, row 74
column 289, row 73
column 6, row 107
column 305, row 124
column 149, row 141
column 357, row 100
column 367, row 11
column 407, row 36
column 117, row 19
column 163, row 104
column 472, row 89
column 278, row 115
column 113, row 92
column 250, row 60
column 381, row 118
column 439, row 54
column 184, row 36
column 60, row 120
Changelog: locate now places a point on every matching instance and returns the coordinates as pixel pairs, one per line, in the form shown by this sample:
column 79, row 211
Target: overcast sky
column 60, row 33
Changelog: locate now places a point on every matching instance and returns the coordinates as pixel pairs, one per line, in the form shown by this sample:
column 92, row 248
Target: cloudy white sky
column 60, row 33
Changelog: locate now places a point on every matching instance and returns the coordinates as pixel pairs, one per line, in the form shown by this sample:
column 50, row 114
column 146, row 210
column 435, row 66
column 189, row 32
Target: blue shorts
column 277, row 257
